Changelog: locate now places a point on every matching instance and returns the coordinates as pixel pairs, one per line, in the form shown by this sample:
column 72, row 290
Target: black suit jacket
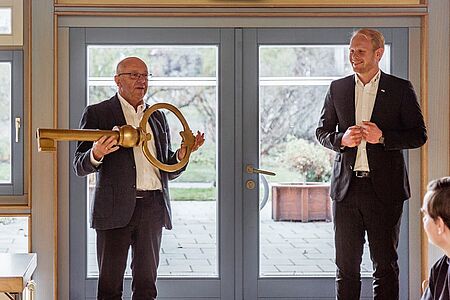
column 396, row 112
column 114, row 197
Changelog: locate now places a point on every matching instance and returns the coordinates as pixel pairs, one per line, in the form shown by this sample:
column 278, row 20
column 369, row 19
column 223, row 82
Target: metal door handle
column 17, row 129
column 251, row 170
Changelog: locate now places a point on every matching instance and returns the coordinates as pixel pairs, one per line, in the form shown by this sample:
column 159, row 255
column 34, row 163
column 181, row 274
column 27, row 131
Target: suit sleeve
column 81, row 163
column 412, row 133
column 326, row 132
column 172, row 155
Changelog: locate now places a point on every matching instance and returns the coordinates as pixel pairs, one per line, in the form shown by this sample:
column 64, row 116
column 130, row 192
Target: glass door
column 186, row 76
column 288, row 232
column 188, row 72
column 257, row 95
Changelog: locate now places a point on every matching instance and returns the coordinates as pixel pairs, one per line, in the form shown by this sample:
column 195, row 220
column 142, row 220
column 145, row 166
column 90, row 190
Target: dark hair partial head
column 439, row 201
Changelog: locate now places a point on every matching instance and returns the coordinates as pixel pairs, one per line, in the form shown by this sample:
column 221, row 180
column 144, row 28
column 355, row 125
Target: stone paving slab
column 190, row 249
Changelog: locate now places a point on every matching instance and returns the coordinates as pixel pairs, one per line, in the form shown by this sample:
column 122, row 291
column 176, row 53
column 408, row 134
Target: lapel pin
column 383, row 91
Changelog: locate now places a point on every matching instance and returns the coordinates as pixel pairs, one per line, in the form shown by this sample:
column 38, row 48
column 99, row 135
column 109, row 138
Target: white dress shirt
column 148, row 177
column 365, row 96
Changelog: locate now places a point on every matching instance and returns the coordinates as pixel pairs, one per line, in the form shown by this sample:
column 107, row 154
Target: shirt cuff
column 95, row 162
column 176, row 156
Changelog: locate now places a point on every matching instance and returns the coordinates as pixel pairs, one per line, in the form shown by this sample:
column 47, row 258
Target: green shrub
column 311, row 160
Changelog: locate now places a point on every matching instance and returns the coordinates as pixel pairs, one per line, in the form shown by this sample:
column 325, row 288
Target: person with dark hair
column 131, row 202
column 368, row 118
column 436, row 222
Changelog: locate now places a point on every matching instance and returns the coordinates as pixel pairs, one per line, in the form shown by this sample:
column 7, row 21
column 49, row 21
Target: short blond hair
column 373, row 35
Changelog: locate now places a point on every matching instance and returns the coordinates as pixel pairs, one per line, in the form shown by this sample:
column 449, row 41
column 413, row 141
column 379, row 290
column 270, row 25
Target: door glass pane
column 185, row 76
column 5, row 21
column 13, row 234
column 5, row 122
column 296, row 232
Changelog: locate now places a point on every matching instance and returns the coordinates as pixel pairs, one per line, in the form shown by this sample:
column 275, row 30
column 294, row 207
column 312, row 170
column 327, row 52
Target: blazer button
column 134, row 186
column 351, row 167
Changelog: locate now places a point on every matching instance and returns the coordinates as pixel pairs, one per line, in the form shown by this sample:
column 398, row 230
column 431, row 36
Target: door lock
column 250, row 184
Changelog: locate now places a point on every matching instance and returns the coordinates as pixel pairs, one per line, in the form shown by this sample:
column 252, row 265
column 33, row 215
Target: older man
column 131, row 201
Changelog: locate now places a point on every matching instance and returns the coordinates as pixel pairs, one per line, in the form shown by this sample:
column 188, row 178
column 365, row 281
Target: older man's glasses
column 136, row 76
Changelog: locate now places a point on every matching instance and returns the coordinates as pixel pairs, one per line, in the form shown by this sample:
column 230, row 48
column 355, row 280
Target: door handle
column 17, row 129
column 251, row 170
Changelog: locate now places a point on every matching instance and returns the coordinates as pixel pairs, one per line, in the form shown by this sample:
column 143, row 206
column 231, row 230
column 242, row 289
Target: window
column 11, row 127
column 14, row 234
column 5, row 21
column 293, row 83
column 11, row 22
column 186, row 76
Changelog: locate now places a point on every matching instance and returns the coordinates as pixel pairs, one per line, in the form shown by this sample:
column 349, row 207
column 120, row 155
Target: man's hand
column 352, row 136
column 103, row 146
column 199, row 140
column 370, row 132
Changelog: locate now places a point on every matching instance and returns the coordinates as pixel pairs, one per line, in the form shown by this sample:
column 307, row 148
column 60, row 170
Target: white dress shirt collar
column 126, row 105
column 373, row 81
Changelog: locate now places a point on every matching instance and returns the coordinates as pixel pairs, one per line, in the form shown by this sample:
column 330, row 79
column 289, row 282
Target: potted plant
column 307, row 199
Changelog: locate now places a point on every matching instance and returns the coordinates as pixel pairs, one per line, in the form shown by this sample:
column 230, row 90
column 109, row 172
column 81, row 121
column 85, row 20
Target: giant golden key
column 127, row 136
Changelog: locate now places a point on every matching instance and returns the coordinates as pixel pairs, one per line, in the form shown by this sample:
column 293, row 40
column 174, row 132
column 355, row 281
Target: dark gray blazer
column 396, row 112
column 114, row 198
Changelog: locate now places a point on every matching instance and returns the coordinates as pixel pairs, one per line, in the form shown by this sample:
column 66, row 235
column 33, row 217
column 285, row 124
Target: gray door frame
column 299, row 287
column 169, row 288
column 238, row 230
column 16, row 186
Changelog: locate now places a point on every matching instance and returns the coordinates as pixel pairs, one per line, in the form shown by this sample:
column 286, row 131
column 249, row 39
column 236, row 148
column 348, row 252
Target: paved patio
column 287, row 248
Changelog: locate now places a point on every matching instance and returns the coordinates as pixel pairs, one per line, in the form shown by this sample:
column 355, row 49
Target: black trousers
column 143, row 234
column 360, row 212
